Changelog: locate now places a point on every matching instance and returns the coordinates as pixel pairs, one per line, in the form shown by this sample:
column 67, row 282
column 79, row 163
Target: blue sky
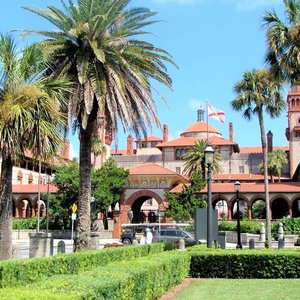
column 213, row 42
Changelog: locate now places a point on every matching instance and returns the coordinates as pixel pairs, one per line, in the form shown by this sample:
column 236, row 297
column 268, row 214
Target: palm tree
column 96, row 44
column 276, row 159
column 283, row 41
column 29, row 119
column 98, row 148
column 257, row 92
column 195, row 157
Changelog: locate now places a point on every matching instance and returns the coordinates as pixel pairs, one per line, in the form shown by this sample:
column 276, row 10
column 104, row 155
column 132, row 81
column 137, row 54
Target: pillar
column 40, row 244
column 117, row 224
column 249, row 212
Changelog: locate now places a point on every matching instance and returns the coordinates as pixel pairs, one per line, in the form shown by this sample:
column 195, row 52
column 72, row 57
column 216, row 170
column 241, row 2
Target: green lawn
column 223, row 289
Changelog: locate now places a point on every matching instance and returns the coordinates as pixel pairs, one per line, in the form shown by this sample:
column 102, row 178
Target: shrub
column 142, row 278
column 19, row 272
column 245, row 264
column 30, row 223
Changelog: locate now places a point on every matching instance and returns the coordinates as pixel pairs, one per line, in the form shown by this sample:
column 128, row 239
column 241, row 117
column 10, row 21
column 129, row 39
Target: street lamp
column 209, row 157
column 237, row 186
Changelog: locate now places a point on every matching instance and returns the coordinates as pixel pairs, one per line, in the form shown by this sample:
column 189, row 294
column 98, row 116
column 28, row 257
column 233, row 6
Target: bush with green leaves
column 245, row 264
column 30, row 223
column 20, row 272
column 142, row 278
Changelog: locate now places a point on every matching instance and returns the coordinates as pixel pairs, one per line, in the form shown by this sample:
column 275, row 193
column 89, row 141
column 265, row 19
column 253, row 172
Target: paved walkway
column 22, row 246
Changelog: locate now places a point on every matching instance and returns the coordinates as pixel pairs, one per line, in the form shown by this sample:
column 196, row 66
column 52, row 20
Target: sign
column 74, row 208
column 73, row 217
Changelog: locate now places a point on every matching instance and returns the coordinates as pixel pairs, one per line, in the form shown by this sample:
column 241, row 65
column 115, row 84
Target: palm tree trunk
column 83, row 229
column 6, row 208
column 266, row 181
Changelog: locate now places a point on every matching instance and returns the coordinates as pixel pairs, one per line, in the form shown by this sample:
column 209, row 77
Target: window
column 180, row 153
column 242, row 169
column 178, row 170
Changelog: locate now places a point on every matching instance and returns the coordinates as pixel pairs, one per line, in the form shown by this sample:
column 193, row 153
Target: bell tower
column 293, row 131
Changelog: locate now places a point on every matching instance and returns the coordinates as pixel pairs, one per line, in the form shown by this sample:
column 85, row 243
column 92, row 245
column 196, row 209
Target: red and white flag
column 216, row 114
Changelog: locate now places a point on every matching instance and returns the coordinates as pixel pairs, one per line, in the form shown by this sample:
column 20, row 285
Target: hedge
column 143, row 278
column 245, row 264
column 23, row 271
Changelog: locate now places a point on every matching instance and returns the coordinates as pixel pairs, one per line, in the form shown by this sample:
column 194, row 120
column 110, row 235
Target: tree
column 182, row 205
column 96, row 44
column 29, row 120
column 276, row 159
column 98, row 149
column 107, row 186
column 283, row 41
column 67, row 182
column 195, row 159
column 108, row 183
column 257, row 92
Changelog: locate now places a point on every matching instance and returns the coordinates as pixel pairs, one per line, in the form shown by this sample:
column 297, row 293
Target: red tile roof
column 32, row 188
column 150, row 138
column 200, row 127
column 259, row 149
column 249, row 187
column 151, row 169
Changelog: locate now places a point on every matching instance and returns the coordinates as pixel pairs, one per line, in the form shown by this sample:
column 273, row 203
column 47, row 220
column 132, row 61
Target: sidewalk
column 21, row 247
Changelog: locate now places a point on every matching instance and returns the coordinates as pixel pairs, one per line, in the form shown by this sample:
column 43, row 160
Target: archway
column 145, row 210
column 296, row 208
column 243, row 211
column 25, row 209
column 222, row 207
column 280, row 208
column 258, row 209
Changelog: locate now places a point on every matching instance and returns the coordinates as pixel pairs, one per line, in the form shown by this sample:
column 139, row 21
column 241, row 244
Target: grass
column 223, row 289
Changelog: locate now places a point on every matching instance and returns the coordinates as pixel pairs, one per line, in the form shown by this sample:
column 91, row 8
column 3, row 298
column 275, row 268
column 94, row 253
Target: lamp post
column 209, row 157
column 237, row 186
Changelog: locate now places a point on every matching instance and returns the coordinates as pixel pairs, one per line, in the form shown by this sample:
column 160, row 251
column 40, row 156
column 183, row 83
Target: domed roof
column 200, row 126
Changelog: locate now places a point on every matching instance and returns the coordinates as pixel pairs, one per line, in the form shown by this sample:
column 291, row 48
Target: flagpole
column 207, row 120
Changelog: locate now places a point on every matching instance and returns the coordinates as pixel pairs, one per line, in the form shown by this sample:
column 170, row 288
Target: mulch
column 176, row 289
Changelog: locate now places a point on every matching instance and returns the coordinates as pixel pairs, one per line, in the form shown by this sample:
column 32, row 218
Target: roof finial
column 200, row 114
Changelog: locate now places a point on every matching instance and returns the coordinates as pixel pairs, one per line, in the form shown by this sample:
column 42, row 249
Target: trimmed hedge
column 24, row 271
column 142, row 278
column 245, row 264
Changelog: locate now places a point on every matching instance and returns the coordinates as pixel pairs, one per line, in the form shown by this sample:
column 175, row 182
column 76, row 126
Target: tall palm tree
column 257, row 92
column 195, row 157
column 96, row 44
column 29, row 119
column 283, row 41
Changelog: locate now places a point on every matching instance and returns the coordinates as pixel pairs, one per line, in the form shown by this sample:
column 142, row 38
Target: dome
column 200, row 128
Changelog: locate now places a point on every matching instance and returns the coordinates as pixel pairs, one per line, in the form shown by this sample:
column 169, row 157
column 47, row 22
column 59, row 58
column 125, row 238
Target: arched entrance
column 296, row 208
column 243, row 211
column 258, row 209
column 280, row 208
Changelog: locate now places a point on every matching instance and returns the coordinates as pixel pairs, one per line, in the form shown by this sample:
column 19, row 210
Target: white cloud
column 252, row 4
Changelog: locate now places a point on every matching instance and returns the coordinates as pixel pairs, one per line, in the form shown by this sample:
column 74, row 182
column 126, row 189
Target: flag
column 216, row 114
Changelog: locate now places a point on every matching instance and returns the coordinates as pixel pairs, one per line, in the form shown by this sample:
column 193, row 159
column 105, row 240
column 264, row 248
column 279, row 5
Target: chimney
column 129, row 145
column 65, row 153
column 270, row 141
column 230, row 131
column 165, row 133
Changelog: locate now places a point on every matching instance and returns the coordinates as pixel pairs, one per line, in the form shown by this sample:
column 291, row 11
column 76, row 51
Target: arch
column 296, row 208
column 258, row 209
column 142, row 214
column 279, row 208
column 220, row 203
column 25, row 209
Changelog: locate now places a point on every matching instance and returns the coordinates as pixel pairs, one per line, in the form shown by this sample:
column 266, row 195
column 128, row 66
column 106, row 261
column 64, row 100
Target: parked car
column 174, row 235
column 132, row 232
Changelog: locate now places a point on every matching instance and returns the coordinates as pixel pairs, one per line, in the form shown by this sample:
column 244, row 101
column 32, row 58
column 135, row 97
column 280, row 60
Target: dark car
column 174, row 235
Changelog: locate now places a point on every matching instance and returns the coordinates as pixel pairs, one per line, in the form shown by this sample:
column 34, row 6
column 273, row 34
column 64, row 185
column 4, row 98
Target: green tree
column 96, row 44
column 182, row 205
column 257, row 92
column 259, row 210
column 108, row 183
column 29, row 119
column 283, row 41
column 66, row 180
column 195, row 159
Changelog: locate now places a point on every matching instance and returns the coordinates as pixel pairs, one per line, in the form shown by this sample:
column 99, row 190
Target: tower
column 293, row 130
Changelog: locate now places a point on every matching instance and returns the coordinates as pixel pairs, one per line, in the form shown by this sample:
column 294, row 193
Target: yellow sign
column 74, row 208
